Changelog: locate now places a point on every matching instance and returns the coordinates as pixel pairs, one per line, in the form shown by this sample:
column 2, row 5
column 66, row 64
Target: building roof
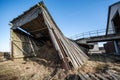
column 24, row 13
column 42, row 25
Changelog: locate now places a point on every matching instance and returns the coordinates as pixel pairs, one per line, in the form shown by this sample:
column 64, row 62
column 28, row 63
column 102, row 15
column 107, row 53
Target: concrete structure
column 113, row 25
column 112, row 31
column 111, row 37
column 95, row 49
column 113, row 22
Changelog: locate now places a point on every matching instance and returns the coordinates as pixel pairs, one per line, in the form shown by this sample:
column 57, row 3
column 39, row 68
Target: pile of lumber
column 107, row 75
column 68, row 50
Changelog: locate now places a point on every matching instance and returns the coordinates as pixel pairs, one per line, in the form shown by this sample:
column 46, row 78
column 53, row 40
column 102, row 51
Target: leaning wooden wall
column 22, row 45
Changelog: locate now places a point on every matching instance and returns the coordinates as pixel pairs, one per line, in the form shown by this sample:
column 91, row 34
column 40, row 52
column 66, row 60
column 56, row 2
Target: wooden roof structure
column 38, row 22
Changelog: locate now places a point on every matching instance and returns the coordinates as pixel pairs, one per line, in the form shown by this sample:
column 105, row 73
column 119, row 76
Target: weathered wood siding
column 22, row 45
column 26, row 46
column 32, row 14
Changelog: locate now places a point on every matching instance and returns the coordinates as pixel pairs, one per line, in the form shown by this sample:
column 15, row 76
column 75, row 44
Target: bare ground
column 40, row 69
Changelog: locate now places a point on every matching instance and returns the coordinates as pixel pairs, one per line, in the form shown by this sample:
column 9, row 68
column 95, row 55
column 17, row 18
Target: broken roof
column 38, row 22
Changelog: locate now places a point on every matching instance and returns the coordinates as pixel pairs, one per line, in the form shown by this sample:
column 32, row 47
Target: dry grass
column 38, row 69
column 32, row 69
column 100, row 63
column 23, row 70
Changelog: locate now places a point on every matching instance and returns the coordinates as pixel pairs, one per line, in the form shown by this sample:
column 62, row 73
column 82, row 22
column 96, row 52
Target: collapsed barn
column 34, row 33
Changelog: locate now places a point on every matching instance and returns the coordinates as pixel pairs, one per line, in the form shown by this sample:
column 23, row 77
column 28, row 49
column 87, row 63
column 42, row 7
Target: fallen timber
column 95, row 76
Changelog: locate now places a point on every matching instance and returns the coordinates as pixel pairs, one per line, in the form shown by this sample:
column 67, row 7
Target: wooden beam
column 12, row 54
column 20, row 48
column 32, row 46
column 22, row 41
column 37, row 30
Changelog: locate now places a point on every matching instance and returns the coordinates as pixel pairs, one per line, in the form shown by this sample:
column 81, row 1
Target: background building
column 113, row 28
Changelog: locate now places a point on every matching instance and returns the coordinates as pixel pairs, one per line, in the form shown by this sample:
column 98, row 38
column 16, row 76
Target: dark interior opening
column 40, row 40
column 116, row 22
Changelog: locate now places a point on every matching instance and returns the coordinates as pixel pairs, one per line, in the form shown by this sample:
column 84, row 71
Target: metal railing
column 89, row 34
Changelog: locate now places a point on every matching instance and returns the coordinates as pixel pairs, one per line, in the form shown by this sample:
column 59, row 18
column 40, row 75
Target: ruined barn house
column 34, row 33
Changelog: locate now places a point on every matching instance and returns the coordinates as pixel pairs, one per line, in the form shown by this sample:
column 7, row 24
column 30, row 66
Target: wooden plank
column 71, row 57
column 117, row 76
column 32, row 46
column 104, row 74
column 81, row 76
column 92, row 76
column 85, row 76
column 38, row 30
column 22, row 41
column 12, row 54
column 66, row 64
column 100, row 76
column 112, row 75
column 74, row 52
column 26, row 18
column 69, row 51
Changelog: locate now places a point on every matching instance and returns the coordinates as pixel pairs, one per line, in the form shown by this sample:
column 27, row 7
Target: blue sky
column 71, row 16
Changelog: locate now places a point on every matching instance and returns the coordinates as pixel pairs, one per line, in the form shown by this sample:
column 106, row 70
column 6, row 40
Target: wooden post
column 12, row 54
